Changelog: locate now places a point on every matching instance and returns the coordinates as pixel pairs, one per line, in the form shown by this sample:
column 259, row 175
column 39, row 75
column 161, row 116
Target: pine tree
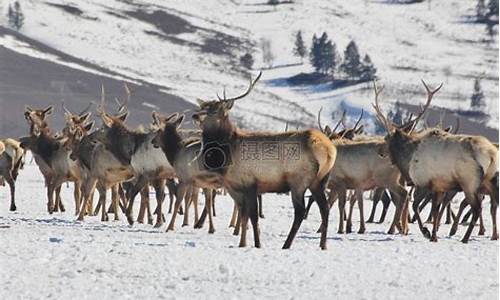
column 315, row 54
column 493, row 9
column 15, row 16
column 300, row 48
column 267, row 53
column 481, row 11
column 477, row 98
column 247, row 60
column 352, row 65
column 368, row 70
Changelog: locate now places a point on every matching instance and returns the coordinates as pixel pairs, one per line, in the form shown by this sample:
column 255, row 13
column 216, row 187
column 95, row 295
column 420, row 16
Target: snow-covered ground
column 44, row 257
column 405, row 42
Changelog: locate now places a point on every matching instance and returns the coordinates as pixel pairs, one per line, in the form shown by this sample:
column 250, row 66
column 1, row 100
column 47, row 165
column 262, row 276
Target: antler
column 123, row 105
column 430, row 94
column 319, row 120
column 457, row 127
column 376, row 106
column 100, row 109
column 250, row 87
column 359, row 120
column 86, row 108
column 66, row 110
column 339, row 122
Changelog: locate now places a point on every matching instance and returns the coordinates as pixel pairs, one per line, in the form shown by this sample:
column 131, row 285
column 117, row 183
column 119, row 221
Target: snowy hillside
column 192, row 49
column 57, row 257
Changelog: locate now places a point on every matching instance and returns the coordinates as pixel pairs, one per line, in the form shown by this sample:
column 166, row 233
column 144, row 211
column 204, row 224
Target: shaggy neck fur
column 401, row 149
column 172, row 143
column 123, row 143
column 221, row 133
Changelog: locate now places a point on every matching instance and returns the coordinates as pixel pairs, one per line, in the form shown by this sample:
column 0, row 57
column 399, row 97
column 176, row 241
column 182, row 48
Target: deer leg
column 208, row 204
column 12, row 186
column 352, row 202
column 493, row 211
column 299, row 210
column 324, row 209
column 181, row 191
column 102, row 200
column 448, row 214
column 466, row 217
column 253, row 212
column 77, row 194
column 234, row 215
column 261, row 210
column 482, row 230
column 400, row 195
column 196, row 210
column 213, row 200
column 308, row 207
column 187, row 205
column 237, row 228
column 142, row 208
column 160, row 197
column 359, row 196
column 475, row 203
column 386, row 201
column 436, row 202
column 50, row 195
column 342, row 197
column 171, row 186
column 115, row 199
column 456, row 220
column 418, row 196
column 201, row 220
column 375, row 199
column 131, row 194
column 87, row 192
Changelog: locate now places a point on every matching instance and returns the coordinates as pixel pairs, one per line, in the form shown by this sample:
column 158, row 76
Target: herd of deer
column 433, row 164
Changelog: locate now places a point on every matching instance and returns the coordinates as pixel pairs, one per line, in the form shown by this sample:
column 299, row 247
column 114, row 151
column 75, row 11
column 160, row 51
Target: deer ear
column 172, row 117
column 48, row 110
column 328, row 130
column 106, row 120
column 155, row 117
column 85, row 117
column 179, row 121
column 122, row 117
column 28, row 109
column 89, row 126
column 228, row 104
column 27, row 115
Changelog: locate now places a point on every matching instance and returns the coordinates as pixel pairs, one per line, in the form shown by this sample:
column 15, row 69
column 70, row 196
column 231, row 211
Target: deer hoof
column 426, row 233
column 453, row 230
column 340, row 231
column 184, row 225
column 481, row 231
column 361, row 230
column 494, row 237
column 13, row 208
column 433, row 239
column 211, row 230
column 465, row 241
column 130, row 220
column 158, row 224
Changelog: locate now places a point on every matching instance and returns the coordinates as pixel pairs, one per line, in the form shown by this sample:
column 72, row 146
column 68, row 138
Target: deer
column 182, row 154
column 443, row 162
column 293, row 161
column 134, row 149
column 11, row 161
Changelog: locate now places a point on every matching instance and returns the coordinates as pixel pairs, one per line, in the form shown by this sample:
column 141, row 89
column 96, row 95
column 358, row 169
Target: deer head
column 37, row 118
column 214, row 113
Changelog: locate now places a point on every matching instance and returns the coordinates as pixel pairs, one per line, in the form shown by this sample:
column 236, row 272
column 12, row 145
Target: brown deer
column 134, row 149
column 251, row 163
column 182, row 154
column 442, row 162
column 11, row 160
